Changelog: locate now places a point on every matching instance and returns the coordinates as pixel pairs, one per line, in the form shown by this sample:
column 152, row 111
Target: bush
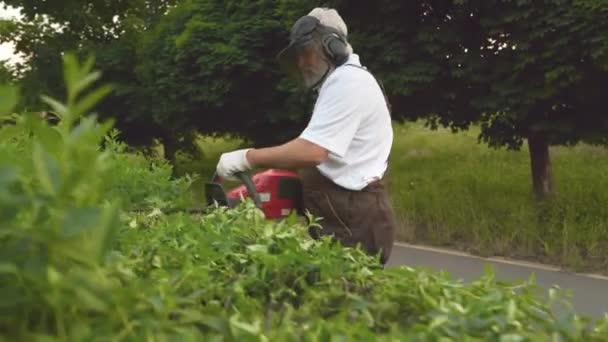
column 74, row 266
column 143, row 182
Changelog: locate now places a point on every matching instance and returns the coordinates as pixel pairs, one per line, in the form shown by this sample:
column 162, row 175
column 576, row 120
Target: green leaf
column 258, row 248
column 8, row 176
column 240, row 326
column 511, row 310
column 88, row 64
column 70, row 73
column 512, row 338
column 58, row 108
column 79, row 220
column 88, row 233
column 9, row 96
column 47, row 170
column 11, row 297
column 47, row 136
column 78, row 77
column 106, row 231
column 219, row 324
column 86, row 81
column 8, row 268
column 90, row 300
column 11, row 132
column 90, row 100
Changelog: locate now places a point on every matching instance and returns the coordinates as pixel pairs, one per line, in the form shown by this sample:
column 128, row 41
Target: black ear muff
column 335, row 47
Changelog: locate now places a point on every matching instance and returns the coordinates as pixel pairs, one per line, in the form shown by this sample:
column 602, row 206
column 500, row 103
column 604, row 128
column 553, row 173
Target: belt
column 312, row 178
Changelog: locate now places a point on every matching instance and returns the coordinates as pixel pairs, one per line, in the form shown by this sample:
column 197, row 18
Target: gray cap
column 301, row 34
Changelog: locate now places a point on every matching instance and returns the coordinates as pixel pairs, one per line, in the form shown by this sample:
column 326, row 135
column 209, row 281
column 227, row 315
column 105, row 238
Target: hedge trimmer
column 276, row 192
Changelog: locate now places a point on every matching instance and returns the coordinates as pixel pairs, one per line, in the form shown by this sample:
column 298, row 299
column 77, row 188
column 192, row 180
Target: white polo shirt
column 352, row 121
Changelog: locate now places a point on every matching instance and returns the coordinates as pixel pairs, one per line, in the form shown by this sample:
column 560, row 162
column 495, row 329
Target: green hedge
column 74, row 266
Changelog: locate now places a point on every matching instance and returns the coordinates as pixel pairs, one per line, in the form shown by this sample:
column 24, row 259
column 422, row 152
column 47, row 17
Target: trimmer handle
column 245, row 178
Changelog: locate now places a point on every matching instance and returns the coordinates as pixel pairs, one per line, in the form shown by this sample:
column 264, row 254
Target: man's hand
column 232, row 163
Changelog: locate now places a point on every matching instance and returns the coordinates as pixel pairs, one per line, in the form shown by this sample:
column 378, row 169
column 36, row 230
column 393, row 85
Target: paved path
column 589, row 292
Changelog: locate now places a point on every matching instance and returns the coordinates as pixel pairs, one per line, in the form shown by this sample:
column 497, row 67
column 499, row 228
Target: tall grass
column 448, row 190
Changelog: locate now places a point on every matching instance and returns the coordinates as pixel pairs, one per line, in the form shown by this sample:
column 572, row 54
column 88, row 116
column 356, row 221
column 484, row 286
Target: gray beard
column 312, row 76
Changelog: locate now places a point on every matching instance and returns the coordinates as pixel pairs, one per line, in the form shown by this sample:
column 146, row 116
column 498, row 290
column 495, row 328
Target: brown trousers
column 364, row 218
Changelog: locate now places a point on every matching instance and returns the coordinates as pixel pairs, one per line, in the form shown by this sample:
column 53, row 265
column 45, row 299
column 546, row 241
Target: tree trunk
column 542, row 176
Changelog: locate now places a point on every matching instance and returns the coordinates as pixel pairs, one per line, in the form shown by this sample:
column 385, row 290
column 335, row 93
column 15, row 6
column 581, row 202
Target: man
column 343, row 152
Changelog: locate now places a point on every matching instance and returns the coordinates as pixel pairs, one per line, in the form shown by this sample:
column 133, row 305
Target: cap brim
column 288, row 62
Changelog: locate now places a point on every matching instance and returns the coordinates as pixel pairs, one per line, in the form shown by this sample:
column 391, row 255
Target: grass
column 450, row 191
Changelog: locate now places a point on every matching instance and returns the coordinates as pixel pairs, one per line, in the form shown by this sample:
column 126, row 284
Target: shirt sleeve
column 336, row 116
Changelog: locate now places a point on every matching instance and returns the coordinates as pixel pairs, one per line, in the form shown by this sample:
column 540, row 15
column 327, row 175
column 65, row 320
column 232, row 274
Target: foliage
column 8, row 98
column 210, row 68
column 159, row 94
column 6, row 73
column 36, row 41
column 74, row 267
column 522, row 70
column 96, row 20
column 546, row 74
column 513, row 66
column 111, row 30
column 141, row 181
column 411, row 52
column 450, row 191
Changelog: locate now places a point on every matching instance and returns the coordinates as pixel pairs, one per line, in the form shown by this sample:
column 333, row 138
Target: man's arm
column 292, row 155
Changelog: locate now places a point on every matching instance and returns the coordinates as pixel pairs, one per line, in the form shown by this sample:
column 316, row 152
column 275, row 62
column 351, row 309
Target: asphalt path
column 589, row 292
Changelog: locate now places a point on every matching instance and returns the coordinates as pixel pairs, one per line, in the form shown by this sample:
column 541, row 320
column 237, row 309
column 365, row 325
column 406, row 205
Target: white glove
column 232, row 163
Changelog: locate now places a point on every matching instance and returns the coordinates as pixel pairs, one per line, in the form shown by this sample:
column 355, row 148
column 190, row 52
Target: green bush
column 143, row 182
column 74, row 266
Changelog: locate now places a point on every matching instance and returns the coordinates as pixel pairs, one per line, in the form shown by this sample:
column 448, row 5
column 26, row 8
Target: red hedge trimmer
column 276, row 192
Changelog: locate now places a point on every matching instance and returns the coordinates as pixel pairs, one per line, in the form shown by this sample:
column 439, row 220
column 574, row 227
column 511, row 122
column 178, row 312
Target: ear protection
column 335, row 45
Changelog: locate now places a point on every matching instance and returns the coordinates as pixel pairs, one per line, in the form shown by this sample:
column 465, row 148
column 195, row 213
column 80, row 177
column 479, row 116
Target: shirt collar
column 352, row 59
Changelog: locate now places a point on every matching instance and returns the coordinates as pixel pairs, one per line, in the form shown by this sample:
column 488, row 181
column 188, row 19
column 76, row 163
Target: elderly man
column 342, row 155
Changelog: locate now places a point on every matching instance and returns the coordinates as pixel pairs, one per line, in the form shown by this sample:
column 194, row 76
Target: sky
column 6, row 50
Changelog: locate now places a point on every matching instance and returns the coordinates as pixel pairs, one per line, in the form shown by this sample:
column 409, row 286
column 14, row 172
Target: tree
column 209, row 67
column 6, row 73
column 111, row 30
column 542, row 75
column 157, row 96
column 39, row 71
column 523, row 70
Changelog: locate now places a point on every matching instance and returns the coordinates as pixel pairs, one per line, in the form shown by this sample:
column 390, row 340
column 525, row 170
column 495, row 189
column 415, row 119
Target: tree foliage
column 523, row 70
column 453, row 62
column 514, row 66
column 6, row 73
column 210, row 67
column 111, row 30
column 544, row 70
